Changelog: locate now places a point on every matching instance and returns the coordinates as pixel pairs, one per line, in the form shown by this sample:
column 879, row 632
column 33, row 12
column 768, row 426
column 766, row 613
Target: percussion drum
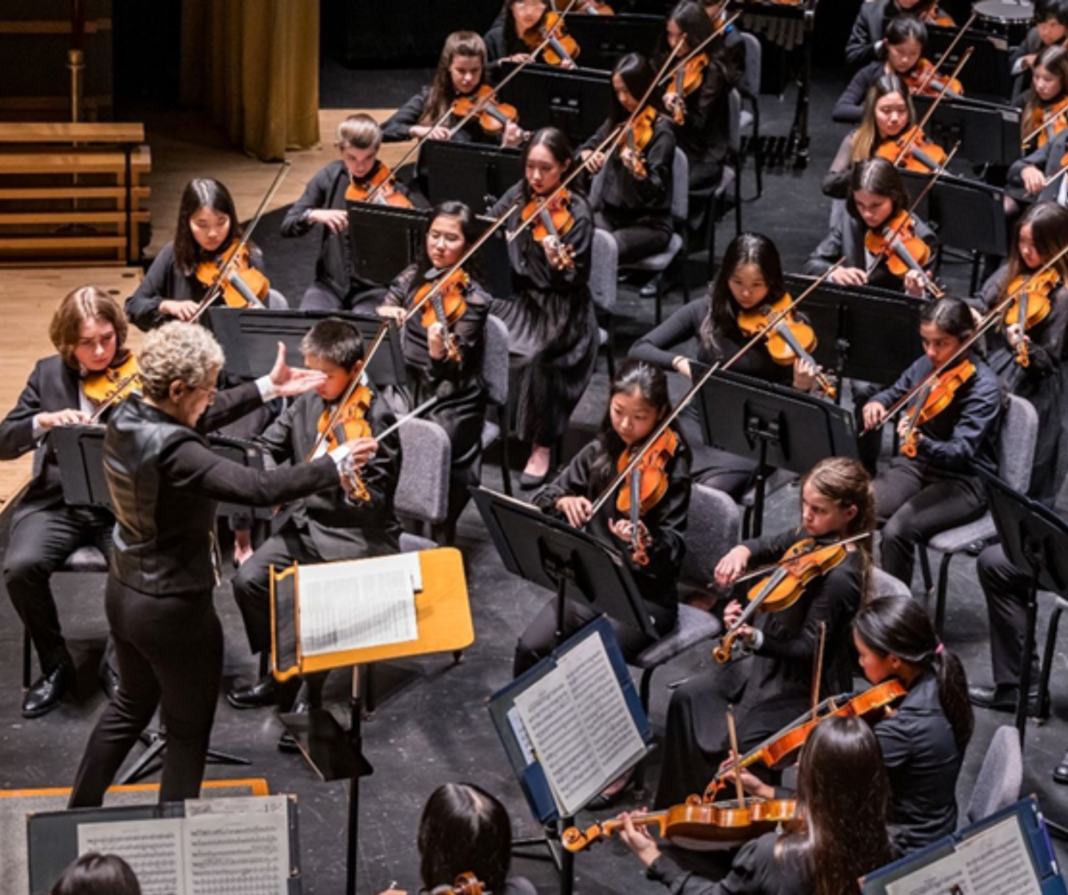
column 1013, row 20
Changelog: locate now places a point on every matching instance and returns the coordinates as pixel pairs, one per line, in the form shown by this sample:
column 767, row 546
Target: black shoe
column 1001, row 698
column 262, row 693
column 1060, row 773
column 47, row 691
column 287, row 742
column 109, row 680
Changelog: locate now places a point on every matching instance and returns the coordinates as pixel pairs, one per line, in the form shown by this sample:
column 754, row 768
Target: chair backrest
column 734, row 125
column 423, row 484
column 712, row 528
column 886, row 585
column 604, row 270
column 680, row 186
column 753, row 54
column 495, row 361
column 997, row 785
column 1016, row 443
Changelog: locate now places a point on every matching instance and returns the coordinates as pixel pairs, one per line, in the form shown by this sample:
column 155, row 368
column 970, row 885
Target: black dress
column 755, row 870
column 769, row 688
column 704, row 136
column 551, row 323
column 457, row 384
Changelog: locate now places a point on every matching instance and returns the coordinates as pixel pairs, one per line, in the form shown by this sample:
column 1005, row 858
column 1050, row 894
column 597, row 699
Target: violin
column 801, row 564
column 493, row 117
column 637, row 137
column 553, row 221
column 562, row 47
column 924, row 80
column 445, row 306
column 935, row 16
column 933, row 399
column 378, row 188
column 647, row 485
column 1031, row 306
column 344, row 423
column 113, row 385
column 465, row 884
column 912, row 151
column 788, row 339
column 896, row 242
column 688, row 77
column 1047, row 122
column 244, row 285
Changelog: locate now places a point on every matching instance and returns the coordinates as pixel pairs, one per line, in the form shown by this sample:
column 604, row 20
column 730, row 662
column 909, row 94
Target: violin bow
column 410, row 415
column 1045, row 123
column 220, row 281
column 670, row 417
column 733, row 732
column 114, row 399
column 663, row 79
column 771, row 567
column 948, row 52
column 817, row 673
column 918, row 129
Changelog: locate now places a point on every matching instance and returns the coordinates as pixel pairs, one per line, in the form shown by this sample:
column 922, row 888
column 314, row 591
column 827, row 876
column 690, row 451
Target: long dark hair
column 95, row 874
column 745, row 248
column 1054, row 59
column 694, row 22
column 633, row 377
column 464, row 829
column 899, row 626
column 442, row 93
column 951, row 315
column 451, row 208
column 876, row 175
column 637, row 75
column 903, row 28
column 1049, row 232
column 866, row 139
column 201, row 192
column 555, row 140
column 512, row 38
column 843, row 785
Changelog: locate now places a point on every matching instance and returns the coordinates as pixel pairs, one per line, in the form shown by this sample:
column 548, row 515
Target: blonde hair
column 177, row 352
column 359, row 131
column 87, row 303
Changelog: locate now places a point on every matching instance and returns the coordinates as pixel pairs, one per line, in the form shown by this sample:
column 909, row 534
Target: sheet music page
column 601, row 705
column 345, row 607
column 237, row 853
column 560, row 741
column 152, row 848
column 947, row 876
column 999, row 861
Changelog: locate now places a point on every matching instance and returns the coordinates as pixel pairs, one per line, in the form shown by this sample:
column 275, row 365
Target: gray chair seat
column 997, row 785
column 661, row 260
column 410, row 543
column 86, row 559
column 886, row 585
column 693, row 627
column 959, row 539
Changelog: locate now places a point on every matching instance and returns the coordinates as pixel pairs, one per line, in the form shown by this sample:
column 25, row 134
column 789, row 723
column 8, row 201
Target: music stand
column 779, row 427
column 605, row 38
column 988, row 72
column 250, row 340
column 988, row 133
column 384, row 239
column 472, row 173
column 577, row 102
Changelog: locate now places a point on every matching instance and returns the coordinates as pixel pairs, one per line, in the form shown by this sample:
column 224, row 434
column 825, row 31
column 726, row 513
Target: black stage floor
column 432, row 725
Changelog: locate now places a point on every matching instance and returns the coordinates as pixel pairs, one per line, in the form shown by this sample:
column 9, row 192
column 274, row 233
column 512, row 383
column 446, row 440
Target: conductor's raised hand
column 577, row 510
column 291, row 381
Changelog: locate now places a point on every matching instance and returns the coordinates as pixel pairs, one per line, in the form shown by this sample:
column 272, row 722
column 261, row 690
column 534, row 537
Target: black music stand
column 384, row 239
column 988, row 71
column 250, row 339
column 472, row 173
column 988, row 133
column 577, row 101
column 80, row 453
column 779, row 427
column 605, row 38
column 864, row 332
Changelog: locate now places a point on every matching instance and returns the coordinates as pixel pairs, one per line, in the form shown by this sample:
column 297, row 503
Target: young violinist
column 185, row 268
column 841, row 833
column 521, row 28
column 732, row 40
column 444, row 357
column 323, row 205
column 1026, row 356
column 631, row 191
column 1038, row 177
column 1045, row 104
column 88, row 331
column 875, row 219
column 461, row 72
column 934, row 484
column 330, row 525
column 1050, row 29
column 550, row 319
column 775, row 685
column 750, row 276
column 873, row 19
column 638, row 401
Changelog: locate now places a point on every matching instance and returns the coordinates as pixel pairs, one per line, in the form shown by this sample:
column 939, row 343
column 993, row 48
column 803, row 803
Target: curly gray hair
column 185, row 352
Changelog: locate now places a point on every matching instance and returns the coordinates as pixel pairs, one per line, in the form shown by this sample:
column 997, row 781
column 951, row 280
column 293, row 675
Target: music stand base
column 326, row 745
column 156, row 741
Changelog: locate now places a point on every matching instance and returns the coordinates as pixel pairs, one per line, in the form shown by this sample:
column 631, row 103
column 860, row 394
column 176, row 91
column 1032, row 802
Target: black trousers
column 913, row 503
column 636, row 239
column 39, row 545
column 1005, row 589
column 320, row 297
column 170, row 654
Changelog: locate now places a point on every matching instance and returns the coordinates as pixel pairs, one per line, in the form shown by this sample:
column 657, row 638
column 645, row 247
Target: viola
column 801, row 564
column 912, row 151
column 637, row 137
column 245, row 286
column 1031, row 305
column 378, row 188
column 1048, row 121
column 344, row 423
column 113, row 385
column 896, row 242
column 688, row 78
column 647, row 485
column 924, row 80
column 562, row 47
column 553, row 221
column 493, row 116
column 789, row 338
column 446, row 306
column 933, row 399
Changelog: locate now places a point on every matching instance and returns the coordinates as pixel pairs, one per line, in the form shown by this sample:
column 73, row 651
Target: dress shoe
column 287, row 742
column 649, row 289
column 109, row 681
column 1060, row 773
column 262, row 693
column 47, row 691
column 1001, row 698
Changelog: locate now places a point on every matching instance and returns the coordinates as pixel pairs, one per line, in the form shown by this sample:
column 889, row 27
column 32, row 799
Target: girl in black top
column 731, row 38
column 461, row 71
column 1046, row 99
column 842, row 836
column 924, row 740
column 774, row 685
column 505, row 40
column 1028, row 363
column 631, row 203
column 638, row 401
column 749, row 276
column 938, row 488
column 550, row 318
column 453, row 376
column 874, row 18
column 1050, row 29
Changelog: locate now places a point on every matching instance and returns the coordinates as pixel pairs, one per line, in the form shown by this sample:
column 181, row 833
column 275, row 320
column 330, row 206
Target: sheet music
column 345, row 606
column 237, row 854
column 152, row 848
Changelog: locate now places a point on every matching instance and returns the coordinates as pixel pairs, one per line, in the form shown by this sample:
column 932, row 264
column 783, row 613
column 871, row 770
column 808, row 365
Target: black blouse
column 755, row 870
column 620, row 191
column 398, row 126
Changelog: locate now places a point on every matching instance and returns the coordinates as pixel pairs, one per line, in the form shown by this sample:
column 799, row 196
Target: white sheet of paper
column 238, row 805
column 345, row 606
column 999, row 862
column 944, row 877
column 152, row 848
column 237, row 854
column 520, row 734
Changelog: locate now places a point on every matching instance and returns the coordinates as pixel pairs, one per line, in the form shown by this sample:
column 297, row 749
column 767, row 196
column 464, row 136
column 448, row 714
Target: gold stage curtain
column 254, row 66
